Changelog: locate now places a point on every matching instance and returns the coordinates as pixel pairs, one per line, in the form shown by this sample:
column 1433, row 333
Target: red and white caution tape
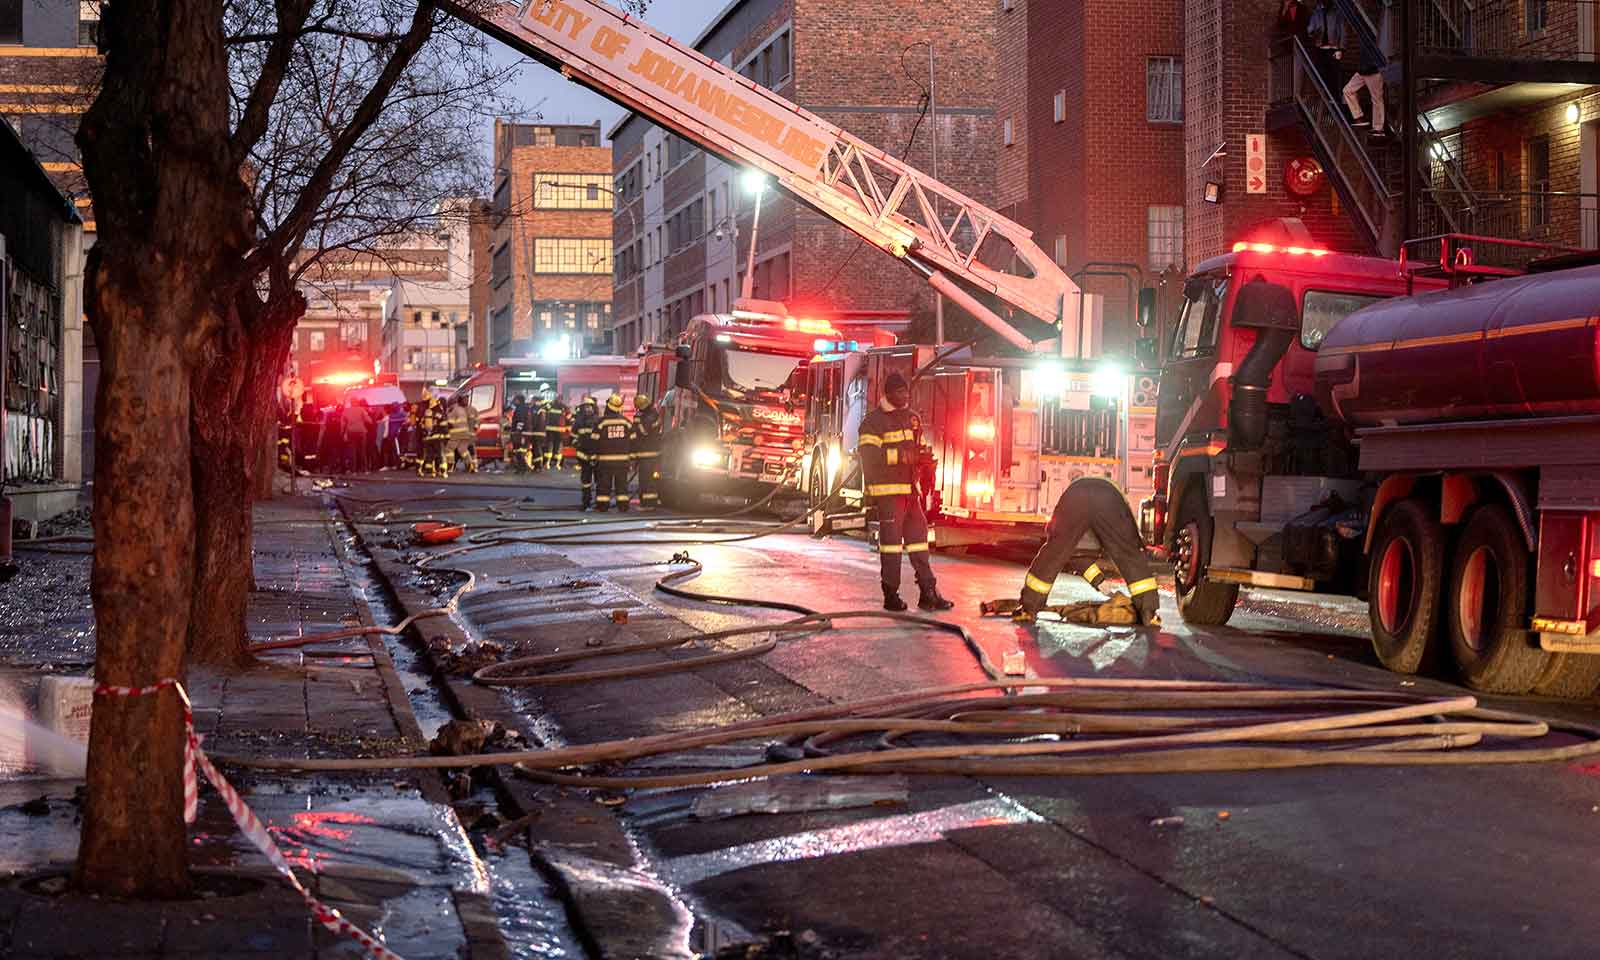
column 193, row 758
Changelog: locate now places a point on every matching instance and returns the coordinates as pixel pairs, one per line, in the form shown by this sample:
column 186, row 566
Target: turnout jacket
column 888, row 450
column 583, row 423
column 611, row 442
column 646, row 435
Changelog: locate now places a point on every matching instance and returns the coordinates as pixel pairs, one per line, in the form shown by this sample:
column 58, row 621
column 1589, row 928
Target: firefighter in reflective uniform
column 1091, row 505
column 463, row 422
column 584, row 421
column 536, row 431
column 610, row 444
column 555, row 433
column 646, row 449
column 435, row 428
column 890, row 436
column 516, row 420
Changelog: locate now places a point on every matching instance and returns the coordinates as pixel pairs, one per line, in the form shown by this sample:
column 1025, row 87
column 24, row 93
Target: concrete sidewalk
column 387, row 850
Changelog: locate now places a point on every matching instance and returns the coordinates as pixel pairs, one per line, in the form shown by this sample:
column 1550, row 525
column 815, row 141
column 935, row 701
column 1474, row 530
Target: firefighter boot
column 472, row 463
column 928, row 599
column 891, row 599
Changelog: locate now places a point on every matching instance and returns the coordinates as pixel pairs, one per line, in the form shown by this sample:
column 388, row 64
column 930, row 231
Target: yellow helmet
column 427, row 395
column 641, row 401
column 614, row 403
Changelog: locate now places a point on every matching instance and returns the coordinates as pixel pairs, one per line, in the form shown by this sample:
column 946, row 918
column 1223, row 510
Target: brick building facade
column 550, row 254
column 683, row 232
column 1092, row 120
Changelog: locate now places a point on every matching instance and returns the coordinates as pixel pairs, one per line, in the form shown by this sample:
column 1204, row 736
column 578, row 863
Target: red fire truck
column 1415, row 436
column 732, row 396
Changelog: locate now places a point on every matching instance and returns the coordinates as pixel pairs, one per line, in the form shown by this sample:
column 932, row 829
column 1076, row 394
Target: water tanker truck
column 1421, row 438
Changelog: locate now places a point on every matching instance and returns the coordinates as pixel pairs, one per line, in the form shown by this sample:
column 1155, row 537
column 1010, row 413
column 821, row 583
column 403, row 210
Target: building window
column 319, row 341
column 89, row 23
column 571, row 255
column 571, row 191
column 499, row 268
column 1165, row 232
column 1005, row 5
column 771, row 65
column 1060, row 106
column 352, row 333
column 1539, row 182
column 1535, row 15
column 1163, row 79
column 1006, row 136
column 1061, row 250
column 11, row 21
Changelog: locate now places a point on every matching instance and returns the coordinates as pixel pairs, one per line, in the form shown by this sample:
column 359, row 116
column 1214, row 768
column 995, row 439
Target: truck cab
column 733, row 415
column 1237, row 407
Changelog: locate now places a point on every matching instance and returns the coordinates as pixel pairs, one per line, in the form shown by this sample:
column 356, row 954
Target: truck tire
column 1571, row 676
column 1201, row 601
column 1405, row 580
column 1486, row 606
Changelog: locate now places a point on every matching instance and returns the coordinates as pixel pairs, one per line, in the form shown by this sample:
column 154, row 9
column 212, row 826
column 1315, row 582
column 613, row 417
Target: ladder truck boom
column 937, row 231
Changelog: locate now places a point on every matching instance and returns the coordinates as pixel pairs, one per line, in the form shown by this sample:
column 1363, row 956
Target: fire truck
column 1003, row 436
column 1425, row 437
column 732, row 391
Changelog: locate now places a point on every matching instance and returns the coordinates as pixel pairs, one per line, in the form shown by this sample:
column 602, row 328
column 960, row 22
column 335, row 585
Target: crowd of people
column 436, row 437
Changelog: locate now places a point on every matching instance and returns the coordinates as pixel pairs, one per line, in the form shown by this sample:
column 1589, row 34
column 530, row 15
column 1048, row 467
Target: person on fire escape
column 890, row 439
column 1091, row 504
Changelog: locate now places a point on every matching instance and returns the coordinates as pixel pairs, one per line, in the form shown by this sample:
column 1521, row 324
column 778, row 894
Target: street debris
column 1223, row 814
column 1172, row 821
column 796, row 794
column 460, row 738
column 619, row 616
column 1014, row 663
column 473, row 655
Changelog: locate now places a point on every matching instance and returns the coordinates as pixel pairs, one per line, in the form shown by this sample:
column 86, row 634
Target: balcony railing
column 1508, row 29
column 1563, row 218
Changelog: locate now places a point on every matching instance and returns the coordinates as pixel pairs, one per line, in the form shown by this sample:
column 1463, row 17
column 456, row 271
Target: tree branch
column 252, row 125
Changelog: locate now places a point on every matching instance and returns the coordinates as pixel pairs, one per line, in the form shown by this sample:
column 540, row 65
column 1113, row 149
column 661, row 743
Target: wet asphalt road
column 1346, row 862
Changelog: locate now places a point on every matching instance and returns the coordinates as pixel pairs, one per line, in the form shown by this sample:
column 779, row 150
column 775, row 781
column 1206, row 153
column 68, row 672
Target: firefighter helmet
column 614, row 403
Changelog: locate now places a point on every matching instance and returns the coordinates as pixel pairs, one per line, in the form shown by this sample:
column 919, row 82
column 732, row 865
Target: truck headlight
column 706, row 457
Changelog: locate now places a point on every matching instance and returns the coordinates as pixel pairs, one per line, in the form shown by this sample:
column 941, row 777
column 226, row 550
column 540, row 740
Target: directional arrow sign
column 1257, row 184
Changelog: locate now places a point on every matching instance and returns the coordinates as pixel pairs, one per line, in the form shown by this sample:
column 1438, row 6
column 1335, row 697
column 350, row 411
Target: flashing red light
column 980, row 489
column 344, row 379
column 981, row 430
column 1242, row 246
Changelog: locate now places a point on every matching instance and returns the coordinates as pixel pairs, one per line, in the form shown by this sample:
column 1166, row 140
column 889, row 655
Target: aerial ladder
column 958, row 245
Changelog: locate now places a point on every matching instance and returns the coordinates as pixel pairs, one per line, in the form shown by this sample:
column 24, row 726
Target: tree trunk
column 234, row 412
column 133, row 839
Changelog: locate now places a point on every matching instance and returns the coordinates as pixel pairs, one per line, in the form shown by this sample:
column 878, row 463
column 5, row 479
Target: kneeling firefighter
column 890, row 439
column 1091, row 505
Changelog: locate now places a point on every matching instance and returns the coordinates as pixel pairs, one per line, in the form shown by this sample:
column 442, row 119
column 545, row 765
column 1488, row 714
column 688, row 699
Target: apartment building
column 550, row 252
column 684, row 227
column 1092, row 110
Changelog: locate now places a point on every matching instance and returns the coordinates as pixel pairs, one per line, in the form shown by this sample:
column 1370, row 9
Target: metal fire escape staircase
column 965, row 250
column 1367, row 180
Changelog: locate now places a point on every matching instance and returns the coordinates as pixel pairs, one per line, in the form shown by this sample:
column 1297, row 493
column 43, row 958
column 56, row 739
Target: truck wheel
column 817, row 488
column 1572, row 676
column 1404, row 581
column 1487, row 606
column 1201, row 602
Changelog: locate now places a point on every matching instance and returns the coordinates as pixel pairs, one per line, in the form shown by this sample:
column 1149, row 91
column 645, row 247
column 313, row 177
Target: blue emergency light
column 835, row 346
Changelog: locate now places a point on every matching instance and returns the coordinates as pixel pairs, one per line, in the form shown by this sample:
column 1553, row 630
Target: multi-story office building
column 550, row 255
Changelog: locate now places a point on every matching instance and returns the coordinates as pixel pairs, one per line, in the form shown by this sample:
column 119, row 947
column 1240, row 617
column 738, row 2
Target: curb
column 562, row 821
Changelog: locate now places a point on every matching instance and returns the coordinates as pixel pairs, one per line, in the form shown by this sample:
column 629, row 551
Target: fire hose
column 1072, row 727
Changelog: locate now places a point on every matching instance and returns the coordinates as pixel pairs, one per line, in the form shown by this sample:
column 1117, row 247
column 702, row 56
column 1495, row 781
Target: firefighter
column 435, row 436
column 1093, row 505
column 536, row 432
column 584, row 421
column 646, row 449
column 463, row 421
column 555, row 433
column 610, row 446
column 890, row 439
column 515, row 418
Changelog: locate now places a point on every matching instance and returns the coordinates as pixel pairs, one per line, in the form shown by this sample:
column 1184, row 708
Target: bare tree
column 225, row 138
